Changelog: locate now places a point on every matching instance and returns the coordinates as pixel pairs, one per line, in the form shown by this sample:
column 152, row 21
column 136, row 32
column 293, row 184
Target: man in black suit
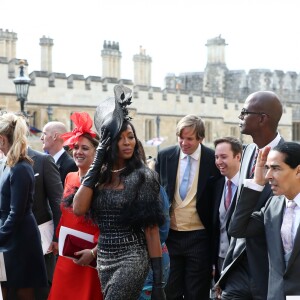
column 228, row 153
column 53, row 145
column 187, row 172
column 245, row 269
column 279, row 218
column 47, row 197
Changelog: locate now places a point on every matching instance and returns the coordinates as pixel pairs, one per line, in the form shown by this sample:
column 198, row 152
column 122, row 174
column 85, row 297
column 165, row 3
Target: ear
column 298, row 171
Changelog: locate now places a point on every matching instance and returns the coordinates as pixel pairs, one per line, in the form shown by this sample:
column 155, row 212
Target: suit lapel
column 172, row 165
column 247, row 155
column 218, row 197
column 202, row 172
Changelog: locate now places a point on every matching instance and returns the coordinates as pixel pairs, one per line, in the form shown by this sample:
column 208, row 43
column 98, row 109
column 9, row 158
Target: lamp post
column 157, row 129
column 22, row 87
column 49, row 112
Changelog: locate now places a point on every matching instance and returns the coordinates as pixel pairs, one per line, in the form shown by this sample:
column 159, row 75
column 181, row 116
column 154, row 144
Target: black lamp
column 49, row 112
column 22, row 84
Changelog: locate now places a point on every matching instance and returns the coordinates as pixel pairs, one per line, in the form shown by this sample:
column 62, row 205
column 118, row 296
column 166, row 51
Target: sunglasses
column 245, row 112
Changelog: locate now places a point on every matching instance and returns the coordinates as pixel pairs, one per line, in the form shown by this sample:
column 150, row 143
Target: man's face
column 47, row 138
column 249, row 118
column 188, row 141
column 226, row 162
column 283, row 179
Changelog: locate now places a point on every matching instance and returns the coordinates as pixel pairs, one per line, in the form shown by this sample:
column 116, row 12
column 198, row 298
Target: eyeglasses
column 245, row 112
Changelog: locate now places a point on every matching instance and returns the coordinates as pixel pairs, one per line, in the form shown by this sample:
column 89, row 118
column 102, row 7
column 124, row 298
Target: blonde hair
column 15, row 129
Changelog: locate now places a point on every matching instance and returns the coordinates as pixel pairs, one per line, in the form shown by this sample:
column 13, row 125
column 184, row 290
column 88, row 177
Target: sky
column 261, row 34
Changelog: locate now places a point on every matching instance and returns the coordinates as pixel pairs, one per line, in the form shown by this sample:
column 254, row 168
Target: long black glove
column 157, row 288
column 92, row 175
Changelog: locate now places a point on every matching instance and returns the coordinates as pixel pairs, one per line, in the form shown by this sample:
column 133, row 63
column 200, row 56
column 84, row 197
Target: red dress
column 71, row 281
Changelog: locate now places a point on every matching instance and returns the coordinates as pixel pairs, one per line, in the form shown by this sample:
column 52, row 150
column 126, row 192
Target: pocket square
column 74, row 244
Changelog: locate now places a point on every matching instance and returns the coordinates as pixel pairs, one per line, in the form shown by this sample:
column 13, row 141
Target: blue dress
column 19, row 235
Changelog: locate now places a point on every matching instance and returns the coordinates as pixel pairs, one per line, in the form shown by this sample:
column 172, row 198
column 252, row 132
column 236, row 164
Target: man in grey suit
column 279, row 219
column 47, row 198
column 245, row 269
column 53, row 145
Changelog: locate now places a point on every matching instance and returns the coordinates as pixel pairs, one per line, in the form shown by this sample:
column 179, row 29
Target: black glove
column 157, row 288
column 92, row 175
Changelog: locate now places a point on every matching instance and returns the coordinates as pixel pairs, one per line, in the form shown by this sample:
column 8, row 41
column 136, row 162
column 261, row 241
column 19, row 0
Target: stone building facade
column 216, row 94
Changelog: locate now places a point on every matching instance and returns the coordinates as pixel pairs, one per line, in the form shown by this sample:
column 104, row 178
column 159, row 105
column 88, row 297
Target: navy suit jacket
column 65, row 165
column 166, row 166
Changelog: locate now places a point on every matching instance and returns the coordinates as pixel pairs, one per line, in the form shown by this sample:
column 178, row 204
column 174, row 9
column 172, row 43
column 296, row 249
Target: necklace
column 116, row 171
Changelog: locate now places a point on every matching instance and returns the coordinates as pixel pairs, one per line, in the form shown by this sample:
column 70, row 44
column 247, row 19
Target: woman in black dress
column 19, row 235
column 125, row 203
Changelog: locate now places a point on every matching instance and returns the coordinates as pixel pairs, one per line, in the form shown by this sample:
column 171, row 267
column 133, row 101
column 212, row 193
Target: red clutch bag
column 74, row 244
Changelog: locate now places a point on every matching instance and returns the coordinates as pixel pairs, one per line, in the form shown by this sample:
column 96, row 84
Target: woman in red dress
column 74, row 278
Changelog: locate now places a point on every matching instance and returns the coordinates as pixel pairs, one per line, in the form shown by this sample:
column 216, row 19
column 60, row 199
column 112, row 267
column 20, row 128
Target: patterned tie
column 287, row 226
column 228, row 194
column 185, row 179
column 251, row 174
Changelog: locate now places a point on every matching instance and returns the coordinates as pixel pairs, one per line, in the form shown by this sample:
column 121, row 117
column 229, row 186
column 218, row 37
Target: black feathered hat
column 111, row 113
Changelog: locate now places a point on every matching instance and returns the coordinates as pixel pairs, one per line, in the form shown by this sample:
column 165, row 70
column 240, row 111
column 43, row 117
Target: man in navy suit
column 228, row 153
column 245, row 269
column 278, row 221
column 53, row 145
column 187, row 172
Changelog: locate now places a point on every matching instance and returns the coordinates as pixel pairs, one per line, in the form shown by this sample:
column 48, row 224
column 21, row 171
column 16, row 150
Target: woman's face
column 126, row 144
column 83, row 153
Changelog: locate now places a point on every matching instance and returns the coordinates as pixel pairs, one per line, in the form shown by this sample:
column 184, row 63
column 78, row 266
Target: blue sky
column 259, row 33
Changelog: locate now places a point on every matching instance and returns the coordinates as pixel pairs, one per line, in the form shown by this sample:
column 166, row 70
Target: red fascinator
column 83, row 124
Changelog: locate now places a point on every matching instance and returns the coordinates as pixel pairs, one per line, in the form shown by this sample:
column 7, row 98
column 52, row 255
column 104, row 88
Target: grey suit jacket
column 255, row 247
column 283, row 280
column 48, row 188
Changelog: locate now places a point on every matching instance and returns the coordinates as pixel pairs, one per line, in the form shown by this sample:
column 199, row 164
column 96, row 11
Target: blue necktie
column 183, row 189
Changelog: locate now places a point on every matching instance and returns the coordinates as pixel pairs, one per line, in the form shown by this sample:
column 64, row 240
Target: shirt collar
column 195, row 155
column 234, row 179
column 296, row 199
column 57, row 155
column 273, row 143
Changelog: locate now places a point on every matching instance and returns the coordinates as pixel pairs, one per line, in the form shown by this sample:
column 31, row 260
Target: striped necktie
column 228, row 194
column 251, row 174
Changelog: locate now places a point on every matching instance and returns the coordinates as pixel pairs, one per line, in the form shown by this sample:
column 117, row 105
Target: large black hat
column 111, row 113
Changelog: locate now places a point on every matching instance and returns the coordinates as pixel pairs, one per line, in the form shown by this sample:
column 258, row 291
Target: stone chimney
column 216, row 50
column 46, row 54
column 111, row 60
column 8, row 43
column 142, row 68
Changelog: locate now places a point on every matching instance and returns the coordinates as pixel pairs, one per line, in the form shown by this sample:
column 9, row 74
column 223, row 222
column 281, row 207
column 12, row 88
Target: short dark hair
column 236, row 145
column 291, row 152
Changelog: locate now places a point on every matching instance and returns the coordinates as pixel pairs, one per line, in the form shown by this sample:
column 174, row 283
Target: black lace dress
column 123, row 260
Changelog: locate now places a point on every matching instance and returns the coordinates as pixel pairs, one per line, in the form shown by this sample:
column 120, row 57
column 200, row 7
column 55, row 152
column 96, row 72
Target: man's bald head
column 266, row 102
column 52, row 142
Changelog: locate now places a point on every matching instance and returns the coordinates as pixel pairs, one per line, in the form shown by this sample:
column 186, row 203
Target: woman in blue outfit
column 19, row 235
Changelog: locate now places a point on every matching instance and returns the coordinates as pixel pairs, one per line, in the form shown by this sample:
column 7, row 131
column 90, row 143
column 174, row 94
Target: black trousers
column 190, row 265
